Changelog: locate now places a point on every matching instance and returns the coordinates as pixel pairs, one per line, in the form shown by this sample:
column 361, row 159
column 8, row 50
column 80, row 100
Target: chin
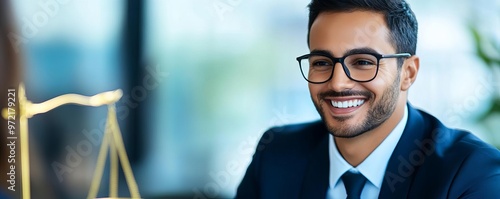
column 345, row 127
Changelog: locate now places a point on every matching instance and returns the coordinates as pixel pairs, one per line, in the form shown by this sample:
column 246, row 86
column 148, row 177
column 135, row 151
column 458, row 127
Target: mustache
column 332, row 93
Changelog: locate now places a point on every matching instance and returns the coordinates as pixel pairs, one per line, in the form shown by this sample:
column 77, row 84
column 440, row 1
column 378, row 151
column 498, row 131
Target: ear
column 409, row 72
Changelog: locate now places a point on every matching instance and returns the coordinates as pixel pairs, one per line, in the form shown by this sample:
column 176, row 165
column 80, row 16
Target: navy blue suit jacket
column 429, row 161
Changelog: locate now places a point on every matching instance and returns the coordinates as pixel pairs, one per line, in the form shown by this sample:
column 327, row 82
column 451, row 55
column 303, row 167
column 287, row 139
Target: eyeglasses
column 317, row 67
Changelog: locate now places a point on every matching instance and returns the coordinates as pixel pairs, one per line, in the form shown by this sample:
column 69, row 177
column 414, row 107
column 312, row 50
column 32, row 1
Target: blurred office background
column 203, row 79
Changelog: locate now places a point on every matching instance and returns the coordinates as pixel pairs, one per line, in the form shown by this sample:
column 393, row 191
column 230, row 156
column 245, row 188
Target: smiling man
column 370, row 143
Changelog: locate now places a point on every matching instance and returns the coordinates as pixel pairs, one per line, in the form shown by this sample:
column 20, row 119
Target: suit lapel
column 316, row 179
column 400, row 172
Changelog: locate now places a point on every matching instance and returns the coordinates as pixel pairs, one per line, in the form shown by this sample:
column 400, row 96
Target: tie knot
column 353, row 183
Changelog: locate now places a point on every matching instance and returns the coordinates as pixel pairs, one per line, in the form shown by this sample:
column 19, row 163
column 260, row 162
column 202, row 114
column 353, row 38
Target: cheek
column 376, row 88
column 387, row 73
column 384, row 81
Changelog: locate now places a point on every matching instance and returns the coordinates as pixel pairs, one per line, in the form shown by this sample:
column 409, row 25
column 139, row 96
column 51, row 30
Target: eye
column 321, row 63
column 363, row 62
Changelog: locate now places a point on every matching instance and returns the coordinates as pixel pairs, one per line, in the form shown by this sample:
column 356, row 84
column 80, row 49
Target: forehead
column 339, row 32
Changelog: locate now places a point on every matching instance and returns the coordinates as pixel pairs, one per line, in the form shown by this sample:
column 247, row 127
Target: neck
column 356, row 150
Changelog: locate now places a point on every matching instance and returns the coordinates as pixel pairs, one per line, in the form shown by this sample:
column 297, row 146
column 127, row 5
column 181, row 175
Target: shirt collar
column 375, row 162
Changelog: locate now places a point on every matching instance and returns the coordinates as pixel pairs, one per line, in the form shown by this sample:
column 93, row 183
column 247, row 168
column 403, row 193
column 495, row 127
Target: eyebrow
column 348, row 52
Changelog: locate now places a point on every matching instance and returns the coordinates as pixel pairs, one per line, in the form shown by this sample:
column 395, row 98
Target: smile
column 347, row 103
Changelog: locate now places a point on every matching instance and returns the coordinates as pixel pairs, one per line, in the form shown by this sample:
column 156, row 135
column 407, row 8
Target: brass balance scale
column 112, row 140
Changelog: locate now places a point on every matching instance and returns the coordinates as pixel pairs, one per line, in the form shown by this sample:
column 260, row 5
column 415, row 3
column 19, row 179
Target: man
column 371, row 143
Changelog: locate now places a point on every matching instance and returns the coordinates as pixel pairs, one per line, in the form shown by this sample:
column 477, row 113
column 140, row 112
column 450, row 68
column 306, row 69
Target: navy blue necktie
column 353, row 183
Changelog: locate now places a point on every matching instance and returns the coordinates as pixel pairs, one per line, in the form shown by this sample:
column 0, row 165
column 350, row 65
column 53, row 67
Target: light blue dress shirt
column 373, row 167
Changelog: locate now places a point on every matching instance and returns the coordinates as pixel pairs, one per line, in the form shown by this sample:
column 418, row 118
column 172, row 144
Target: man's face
column 374, row 101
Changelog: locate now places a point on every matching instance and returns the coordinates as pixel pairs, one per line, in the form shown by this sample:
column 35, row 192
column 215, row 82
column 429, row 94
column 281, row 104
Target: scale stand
column 112, row 140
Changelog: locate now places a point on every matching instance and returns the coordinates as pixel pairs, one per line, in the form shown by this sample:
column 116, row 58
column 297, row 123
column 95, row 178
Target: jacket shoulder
column 478, row 171
column 448, row 141
column 281, row 151
column 457, row 161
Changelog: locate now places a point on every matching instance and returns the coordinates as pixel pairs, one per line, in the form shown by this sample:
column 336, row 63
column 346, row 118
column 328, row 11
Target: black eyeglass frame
column 341, row 61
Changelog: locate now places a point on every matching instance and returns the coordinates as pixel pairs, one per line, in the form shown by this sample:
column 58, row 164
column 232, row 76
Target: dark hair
column 398, row 15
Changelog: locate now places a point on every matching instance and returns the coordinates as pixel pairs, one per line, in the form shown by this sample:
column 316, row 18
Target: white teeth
column 347, row 104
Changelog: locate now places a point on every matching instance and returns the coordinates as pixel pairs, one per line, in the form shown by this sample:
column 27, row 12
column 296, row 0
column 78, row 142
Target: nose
column 340, row 81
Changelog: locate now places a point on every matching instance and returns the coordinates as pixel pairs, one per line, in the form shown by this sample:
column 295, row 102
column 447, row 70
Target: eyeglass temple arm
column 397, row 55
